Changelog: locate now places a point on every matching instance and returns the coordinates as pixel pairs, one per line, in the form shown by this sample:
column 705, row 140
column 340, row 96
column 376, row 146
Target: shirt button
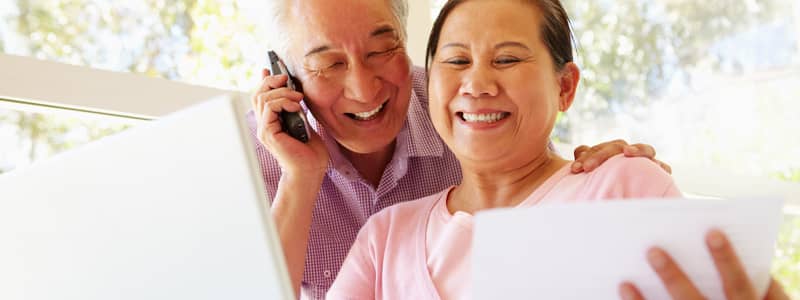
column 327, row 274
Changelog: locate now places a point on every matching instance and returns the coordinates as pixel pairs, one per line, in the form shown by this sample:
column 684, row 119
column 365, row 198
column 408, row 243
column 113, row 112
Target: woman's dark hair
column 556, row 31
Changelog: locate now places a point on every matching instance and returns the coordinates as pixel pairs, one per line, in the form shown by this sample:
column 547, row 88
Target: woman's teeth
column 365, row 116
column 484, row 118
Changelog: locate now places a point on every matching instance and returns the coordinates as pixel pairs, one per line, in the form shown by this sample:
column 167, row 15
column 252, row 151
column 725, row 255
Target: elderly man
column 375, row 145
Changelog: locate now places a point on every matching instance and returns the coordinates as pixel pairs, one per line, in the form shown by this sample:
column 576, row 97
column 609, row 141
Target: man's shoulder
column 419, row 84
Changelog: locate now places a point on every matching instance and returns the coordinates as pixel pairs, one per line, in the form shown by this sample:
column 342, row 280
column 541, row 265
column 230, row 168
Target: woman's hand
column 296, row 158
column 588, row 158
column 735, row 281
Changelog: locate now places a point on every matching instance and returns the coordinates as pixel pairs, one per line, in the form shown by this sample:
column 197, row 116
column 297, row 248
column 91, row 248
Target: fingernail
column 715, row 240
column 588, row 164
column 631, row 150
column 577, row 166
column 627, row 293
column 656, row 259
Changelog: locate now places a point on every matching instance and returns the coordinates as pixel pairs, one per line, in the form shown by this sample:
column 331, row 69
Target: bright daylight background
column 711, row 84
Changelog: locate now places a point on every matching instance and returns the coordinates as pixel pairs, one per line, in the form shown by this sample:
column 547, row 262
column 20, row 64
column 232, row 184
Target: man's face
column 351, row 61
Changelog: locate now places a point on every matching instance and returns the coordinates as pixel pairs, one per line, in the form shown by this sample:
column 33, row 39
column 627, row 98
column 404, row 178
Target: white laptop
column 173, row 209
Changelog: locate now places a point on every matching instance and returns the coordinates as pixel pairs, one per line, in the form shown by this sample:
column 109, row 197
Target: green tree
column 629, row 50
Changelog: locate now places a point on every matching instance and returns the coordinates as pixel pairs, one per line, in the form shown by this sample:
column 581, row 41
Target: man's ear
column 568, row 79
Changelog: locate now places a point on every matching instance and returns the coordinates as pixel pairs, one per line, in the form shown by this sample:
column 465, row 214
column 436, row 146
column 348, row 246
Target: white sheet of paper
column 584, row 251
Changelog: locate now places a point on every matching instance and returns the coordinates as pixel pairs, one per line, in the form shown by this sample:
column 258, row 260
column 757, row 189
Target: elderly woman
column 500, row 71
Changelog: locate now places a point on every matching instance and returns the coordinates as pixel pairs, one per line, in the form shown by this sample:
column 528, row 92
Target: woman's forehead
column 490, row 20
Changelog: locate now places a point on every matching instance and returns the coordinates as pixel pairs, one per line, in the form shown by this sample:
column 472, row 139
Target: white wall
column 419, row 24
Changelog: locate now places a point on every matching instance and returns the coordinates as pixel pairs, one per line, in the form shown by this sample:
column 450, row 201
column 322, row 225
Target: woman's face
column 494, row 91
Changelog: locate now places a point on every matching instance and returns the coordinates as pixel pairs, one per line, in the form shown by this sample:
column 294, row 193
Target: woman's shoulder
column 631, row 177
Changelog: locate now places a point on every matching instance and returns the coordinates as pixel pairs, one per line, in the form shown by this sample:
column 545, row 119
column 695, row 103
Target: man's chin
column 368, row 145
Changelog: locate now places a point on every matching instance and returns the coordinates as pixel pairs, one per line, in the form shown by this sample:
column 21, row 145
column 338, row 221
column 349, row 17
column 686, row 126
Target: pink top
column 418, row 250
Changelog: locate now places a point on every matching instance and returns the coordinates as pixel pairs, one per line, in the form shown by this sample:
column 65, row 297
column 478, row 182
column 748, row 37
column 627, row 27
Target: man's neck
column 371, row 165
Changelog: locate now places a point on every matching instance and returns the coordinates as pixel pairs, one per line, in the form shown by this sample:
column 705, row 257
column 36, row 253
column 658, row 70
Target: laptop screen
column 174, row 209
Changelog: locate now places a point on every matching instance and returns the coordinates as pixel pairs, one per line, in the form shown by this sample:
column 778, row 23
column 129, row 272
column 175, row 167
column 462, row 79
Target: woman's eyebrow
column 457, row 45
column 498, row 46
column 511, row 44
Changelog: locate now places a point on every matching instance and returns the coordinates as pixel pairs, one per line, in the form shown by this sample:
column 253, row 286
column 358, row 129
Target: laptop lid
column 173, row 209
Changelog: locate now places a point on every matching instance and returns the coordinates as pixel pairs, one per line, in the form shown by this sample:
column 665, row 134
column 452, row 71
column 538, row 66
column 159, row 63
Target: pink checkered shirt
column 421, row 166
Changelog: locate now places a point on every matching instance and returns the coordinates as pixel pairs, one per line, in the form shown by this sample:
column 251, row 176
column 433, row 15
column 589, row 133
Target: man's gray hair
column 277, row 16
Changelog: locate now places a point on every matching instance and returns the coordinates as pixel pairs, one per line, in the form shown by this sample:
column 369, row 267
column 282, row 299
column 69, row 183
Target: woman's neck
column 484, row 188
column 371, row 165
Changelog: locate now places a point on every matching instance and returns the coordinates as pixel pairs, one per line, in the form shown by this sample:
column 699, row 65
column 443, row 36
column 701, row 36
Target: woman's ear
column 568, row 79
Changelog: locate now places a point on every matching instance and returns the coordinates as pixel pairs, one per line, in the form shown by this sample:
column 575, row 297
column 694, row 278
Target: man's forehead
column 334, row 18
column 385, row 31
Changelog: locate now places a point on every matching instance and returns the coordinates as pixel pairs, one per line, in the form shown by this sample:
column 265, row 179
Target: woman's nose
column 479, row 82
column 361, row 84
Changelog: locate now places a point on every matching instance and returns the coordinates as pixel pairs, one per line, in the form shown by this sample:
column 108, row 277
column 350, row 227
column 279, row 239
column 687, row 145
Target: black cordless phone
column 293, row 123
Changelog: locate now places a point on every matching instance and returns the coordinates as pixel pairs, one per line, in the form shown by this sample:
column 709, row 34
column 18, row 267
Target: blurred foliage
column 786, row 264
column 791, row 175
column 629, row 51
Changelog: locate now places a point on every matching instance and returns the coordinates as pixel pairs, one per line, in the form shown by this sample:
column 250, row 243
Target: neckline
column 440, row 208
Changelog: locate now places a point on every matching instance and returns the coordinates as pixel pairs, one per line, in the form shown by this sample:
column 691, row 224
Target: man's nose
column 362, row 84
column 478, row 82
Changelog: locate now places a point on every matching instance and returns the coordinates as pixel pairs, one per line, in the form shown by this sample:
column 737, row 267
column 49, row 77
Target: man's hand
column 735, row 281
column 588, row 158
column 295, row 157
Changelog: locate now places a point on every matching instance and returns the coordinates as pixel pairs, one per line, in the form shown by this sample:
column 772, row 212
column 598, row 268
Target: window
column 30, row 133
column 197, row 42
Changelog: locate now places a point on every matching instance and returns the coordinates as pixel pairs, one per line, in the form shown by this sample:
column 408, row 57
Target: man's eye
column 378, row 53
column 334, row 65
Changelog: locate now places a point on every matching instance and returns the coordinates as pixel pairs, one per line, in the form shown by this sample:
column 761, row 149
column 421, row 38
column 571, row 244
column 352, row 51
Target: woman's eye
column 457, row 61
column 506, row 60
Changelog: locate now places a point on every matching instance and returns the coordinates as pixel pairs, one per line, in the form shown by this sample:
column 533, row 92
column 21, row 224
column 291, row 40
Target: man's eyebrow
column 318, row 50
column 511, row 44
column 383, row 30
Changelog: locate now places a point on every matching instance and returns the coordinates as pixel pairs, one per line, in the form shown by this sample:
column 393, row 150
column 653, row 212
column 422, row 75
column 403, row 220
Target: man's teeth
column 485, row 118
column 369, row 114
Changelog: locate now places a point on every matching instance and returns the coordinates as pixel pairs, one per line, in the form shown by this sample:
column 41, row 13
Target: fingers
column 775, row 291
column 580, row 151
column 271, row 130
column 640, row 150
column 589, row 159
column 735, row 281
column 674, row 279
column 664, row 166
column 628, row 291
column 268, row 83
